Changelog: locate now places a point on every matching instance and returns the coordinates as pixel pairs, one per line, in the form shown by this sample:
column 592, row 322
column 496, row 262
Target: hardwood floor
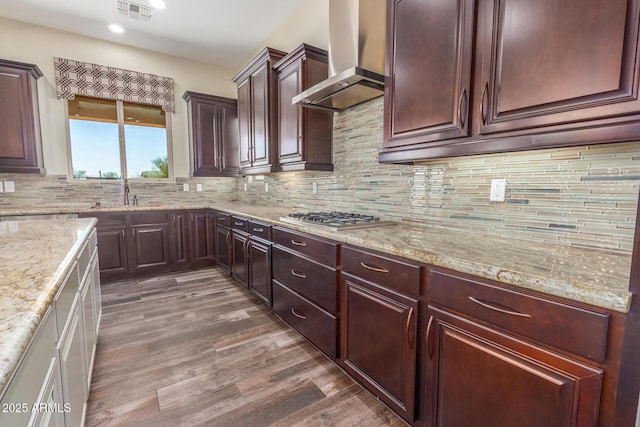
column 195, row 349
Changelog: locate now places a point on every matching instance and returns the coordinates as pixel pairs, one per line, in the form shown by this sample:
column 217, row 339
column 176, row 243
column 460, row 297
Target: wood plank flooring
column 194, row 349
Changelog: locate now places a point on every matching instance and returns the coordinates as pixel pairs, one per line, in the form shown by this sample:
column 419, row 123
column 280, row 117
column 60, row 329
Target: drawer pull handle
column 427, row 339
column 295, row 313
column 498, row 309
column 368, row 267
column 258, row 230
column 221, row 218
column 297, row 274
column 409, row 335
column 238, row 223
column 295, row 242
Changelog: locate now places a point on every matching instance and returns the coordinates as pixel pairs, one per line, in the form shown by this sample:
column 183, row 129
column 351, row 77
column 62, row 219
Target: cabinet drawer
column 310, row 279
column 65, row 297
column 109, row 219
column 573, row 329
column 222, row 219
column 151, row 217
column 238, row 223
column 259, row 229
column 392, row 272
column 316, row 325
column 316, row 248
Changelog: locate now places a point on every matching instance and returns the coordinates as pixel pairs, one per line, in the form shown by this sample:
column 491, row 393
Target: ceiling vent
column 134, row 11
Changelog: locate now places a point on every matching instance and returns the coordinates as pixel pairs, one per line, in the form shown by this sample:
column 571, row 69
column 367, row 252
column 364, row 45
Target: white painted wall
column 38, row 45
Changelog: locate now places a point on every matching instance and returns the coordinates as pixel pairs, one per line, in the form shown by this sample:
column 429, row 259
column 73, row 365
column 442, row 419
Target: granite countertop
column 599, row 278
column 35, row 257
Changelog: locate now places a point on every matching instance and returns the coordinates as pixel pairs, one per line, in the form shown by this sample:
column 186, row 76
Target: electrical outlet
column 314, row 188
column 266, row 187
column 198, row 187
column 245, row 187
column 1, row 187
column 185, row 187
column 9, row 187
column 498, row 190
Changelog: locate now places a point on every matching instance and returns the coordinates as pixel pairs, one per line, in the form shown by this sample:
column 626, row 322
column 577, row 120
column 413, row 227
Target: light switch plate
column 185, row 187
column 498, row 190
column 198, row 187
column 1, row 187
column 9, row 187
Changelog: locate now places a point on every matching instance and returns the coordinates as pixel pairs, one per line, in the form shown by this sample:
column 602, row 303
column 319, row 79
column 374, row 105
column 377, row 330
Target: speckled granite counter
column 35, row 257
column 595, row 277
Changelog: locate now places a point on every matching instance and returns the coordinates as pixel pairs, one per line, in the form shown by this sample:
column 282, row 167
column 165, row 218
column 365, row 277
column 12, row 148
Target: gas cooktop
column 335, row 220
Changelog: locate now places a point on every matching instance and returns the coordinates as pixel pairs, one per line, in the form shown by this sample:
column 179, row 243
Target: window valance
column 83, row 78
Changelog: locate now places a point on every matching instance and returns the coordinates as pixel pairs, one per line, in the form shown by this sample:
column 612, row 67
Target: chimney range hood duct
column 357, row 30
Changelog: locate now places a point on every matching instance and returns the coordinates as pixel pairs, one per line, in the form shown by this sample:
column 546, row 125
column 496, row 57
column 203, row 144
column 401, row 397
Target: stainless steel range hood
column 357, row 30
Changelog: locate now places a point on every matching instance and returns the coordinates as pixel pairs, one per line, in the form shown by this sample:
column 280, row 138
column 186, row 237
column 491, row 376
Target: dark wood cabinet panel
column 223, row 247
column 545, row 74
column 20, row 140
column 239, row 242
column 259, row 255
column 379, row 341
column 511, row 381
column 304, row 134
column 318, row 326
column 257, row 107
column 113, row 255
column 213, row 133
column 150, row 247
column 430, row 69
column 179, row 229
column 201, row 247
column 324, row 251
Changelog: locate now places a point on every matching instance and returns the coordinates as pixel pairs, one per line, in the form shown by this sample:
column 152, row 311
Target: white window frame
column 122, row 144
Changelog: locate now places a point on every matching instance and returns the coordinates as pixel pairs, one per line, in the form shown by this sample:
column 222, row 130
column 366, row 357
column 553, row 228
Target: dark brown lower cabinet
column 179, row 229
column 223, row 247
column 113, row 256
column 239, row 242
column 149, row 242
column 259, row 262
column 379, row 341
column 480, row 377
column 201, row 245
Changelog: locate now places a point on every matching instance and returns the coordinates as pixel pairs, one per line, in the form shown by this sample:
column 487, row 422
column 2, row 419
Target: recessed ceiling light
column 116, row 28
column 157, row 4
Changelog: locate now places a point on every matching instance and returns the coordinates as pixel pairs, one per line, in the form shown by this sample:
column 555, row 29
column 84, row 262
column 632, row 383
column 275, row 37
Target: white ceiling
column 220, row 32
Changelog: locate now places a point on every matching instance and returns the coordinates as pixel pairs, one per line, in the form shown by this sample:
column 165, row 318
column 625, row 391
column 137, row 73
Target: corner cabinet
column 20, row 140
column 304, row 134
column 496, row 357
column 213, row 133
column 257, row 113
column 506, row 75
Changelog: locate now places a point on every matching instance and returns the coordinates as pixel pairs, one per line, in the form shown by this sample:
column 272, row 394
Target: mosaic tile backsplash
column 578, row 196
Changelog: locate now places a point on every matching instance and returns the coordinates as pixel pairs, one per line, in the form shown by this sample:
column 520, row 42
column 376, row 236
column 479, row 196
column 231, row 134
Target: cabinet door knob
column 295, row 313
column 376, row 269
column 498, row 309
column 298, row 274
column 483, row 115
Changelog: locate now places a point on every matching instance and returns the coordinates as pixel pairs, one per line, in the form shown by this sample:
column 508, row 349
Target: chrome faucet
column 126, row 192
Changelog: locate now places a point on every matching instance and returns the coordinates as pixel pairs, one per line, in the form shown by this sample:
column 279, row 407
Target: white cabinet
column 51, row 385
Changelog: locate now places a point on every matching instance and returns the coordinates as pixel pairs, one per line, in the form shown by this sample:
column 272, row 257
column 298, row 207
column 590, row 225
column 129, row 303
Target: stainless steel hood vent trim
column 356, row 57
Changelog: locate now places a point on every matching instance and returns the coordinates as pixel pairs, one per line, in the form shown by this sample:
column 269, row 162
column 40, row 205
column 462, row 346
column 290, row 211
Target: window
column 114, row 139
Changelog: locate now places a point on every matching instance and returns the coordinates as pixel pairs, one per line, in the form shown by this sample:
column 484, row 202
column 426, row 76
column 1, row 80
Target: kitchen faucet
column 126, row 192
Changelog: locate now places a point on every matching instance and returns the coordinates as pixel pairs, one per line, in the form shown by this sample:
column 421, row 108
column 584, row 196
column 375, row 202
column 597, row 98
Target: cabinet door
column 289, row 116
column 554, row 62
column 239, row 243
column 260, row 118
column 206, row 155
column 19, row 122
column 113, row 252
column 260, row 270
column 97, row 295
column 74, row 375
column 201, row 250
column 87, row 301
column 150, row 246
column 223, row 245
column 179, row 222
column 429, row 68
column 378, row 347
column 477, row 376
column 228, row 139
column 244, row 122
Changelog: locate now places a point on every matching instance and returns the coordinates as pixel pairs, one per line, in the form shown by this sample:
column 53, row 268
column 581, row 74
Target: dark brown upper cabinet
column 20, row 140
column 304, row 135
column 509, row 75
column 213, row 133
column 257, row 113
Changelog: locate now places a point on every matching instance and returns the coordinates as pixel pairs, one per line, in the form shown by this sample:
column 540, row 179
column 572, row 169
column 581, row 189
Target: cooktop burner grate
column 335, row 220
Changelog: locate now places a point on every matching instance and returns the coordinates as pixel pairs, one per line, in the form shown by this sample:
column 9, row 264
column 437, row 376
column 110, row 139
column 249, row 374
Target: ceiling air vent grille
column 134, row 11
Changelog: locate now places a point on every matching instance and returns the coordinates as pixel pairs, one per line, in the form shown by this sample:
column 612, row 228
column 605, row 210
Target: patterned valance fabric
column 82, row 78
